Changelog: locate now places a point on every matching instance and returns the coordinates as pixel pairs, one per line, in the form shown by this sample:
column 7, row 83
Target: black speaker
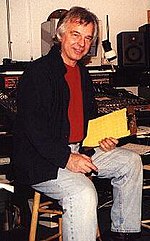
column 131, row 49
column 146, row 30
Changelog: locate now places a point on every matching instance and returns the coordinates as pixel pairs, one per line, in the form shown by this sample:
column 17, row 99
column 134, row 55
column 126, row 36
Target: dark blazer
column 41, row 129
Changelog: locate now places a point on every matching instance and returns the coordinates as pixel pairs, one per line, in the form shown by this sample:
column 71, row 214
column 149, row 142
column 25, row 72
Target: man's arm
column 37, row 117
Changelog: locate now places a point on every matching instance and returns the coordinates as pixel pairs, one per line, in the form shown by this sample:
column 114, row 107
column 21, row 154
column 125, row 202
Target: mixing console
column 110, row 99
column 106, row 106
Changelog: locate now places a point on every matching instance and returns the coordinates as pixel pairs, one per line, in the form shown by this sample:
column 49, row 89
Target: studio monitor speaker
column 146, row 30
column 131, row 49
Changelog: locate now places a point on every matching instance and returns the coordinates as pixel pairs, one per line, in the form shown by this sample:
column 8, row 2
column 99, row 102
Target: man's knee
column 89, row 193
column 136, row 160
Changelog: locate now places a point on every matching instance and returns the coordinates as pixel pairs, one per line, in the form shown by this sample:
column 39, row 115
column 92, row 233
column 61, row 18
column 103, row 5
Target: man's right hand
column 80, row 163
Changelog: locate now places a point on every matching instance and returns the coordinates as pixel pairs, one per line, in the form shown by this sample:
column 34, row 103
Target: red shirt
column 75, row 111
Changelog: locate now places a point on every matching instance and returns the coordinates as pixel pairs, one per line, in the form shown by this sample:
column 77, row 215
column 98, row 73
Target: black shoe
column 116, row 236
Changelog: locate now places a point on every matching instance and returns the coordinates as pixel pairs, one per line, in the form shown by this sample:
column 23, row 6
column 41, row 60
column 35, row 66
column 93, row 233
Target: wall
column 26, row 17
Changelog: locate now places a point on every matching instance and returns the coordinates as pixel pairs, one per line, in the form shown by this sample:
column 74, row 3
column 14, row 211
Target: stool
column 44, row 207
column 146, row 223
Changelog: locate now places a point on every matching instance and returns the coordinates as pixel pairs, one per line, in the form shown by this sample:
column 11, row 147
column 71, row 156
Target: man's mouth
column 78, row 51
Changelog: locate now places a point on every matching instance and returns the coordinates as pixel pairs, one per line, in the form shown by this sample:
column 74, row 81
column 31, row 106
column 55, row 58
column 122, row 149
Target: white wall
column 26, row 17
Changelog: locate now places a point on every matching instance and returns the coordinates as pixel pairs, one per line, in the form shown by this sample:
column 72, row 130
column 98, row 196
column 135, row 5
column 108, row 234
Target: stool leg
column 60, row 229
column 98, row 235
column 34, row 219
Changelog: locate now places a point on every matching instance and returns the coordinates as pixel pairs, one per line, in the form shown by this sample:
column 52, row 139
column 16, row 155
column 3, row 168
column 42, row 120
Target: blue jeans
column 78, row 195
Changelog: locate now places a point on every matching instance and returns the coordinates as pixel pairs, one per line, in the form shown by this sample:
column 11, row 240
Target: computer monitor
column 94, row 56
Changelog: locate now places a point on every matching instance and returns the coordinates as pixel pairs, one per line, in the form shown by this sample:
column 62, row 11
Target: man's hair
column 82, row 15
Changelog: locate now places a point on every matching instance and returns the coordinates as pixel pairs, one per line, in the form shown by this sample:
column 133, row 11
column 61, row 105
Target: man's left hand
column 108, row 144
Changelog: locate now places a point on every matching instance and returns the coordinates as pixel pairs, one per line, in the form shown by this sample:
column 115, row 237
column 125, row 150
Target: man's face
column 76, row 41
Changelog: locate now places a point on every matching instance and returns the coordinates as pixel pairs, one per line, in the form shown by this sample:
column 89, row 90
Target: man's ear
column 59, row 37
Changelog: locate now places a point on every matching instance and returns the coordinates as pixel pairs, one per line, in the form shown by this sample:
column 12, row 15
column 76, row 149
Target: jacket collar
column 56, row 60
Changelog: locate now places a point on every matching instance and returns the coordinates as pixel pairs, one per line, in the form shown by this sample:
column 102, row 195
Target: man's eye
column 89, row 39
column 75, row 34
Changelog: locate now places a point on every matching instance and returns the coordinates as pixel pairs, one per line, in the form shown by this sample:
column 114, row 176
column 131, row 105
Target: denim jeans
column 78, row 195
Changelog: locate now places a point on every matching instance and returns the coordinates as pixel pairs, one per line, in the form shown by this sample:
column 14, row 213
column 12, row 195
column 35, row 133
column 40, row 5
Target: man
column 55, row 102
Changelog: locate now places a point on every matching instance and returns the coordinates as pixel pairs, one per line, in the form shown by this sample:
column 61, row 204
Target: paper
column 143, row 130
column 111, row 125
column 139, row 149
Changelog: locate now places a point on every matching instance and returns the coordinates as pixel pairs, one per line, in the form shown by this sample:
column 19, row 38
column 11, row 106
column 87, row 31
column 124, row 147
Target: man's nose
column 81, row 41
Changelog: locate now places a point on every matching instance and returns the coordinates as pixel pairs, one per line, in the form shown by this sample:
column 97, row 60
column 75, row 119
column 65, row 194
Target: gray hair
column 77, row 13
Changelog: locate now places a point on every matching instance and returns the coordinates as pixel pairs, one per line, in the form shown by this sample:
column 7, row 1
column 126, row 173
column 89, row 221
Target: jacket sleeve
column 36, row 120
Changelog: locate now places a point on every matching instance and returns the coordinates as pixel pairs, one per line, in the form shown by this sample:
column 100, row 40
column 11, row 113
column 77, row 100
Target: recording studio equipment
column 10, row 73
column 146, row 30
column 13, row 65
column 106, row 90
column 110, row 99
column 110, row 53
column 8, row 110
column 94, row 56
column 8, row 90
column 131, row 49
column 107, row 105
column 8, row 96
column 47, row 35
column 8, row 102
column 102, row 74
column 130, row 76
column 144, row 91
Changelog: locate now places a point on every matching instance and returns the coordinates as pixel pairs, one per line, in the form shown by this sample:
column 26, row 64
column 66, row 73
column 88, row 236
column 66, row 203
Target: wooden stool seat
column 45, row 207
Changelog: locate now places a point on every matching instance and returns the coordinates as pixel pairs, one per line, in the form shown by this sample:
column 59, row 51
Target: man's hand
column 80, row 163
column 108, row 144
